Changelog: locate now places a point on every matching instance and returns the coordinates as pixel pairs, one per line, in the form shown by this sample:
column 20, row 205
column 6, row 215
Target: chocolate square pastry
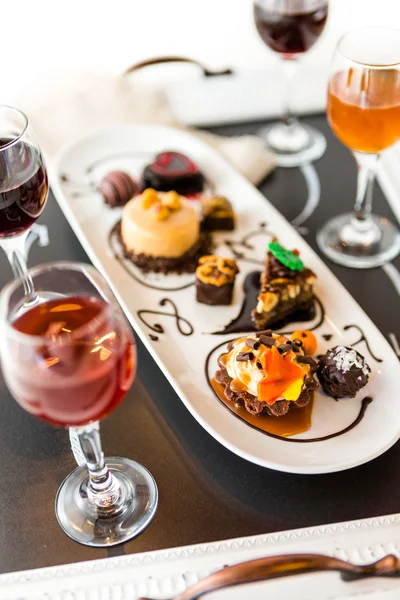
column 215, row 278
column 173, row 171
column 286, row 286
column 218, row 214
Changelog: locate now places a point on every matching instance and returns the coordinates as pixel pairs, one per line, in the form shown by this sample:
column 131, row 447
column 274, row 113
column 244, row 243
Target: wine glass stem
column 289, row 70
column 103, row 489
column 366, row 164
column 14, row 247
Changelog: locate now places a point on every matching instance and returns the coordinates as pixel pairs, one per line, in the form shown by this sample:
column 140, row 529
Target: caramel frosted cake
column 286, row 286
column 160, row 232
column 267, row 374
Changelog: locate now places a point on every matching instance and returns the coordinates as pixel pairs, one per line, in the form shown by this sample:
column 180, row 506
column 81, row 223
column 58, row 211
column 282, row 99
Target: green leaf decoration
column 286, row 257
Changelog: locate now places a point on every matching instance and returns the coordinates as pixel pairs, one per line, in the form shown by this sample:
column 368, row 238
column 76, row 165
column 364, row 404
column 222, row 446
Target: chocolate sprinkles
column 254, row 344
column 307, row 360
column 268, row 341
column 244, row 356
column 285, row 348
column 267, row 332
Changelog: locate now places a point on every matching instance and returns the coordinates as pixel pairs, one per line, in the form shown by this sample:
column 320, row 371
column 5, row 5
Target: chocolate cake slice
column 286, row 286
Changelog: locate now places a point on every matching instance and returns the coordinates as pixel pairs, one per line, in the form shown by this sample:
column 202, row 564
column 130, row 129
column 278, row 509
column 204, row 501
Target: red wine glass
column 23, row 188
column 290, row 28
column 69, row 361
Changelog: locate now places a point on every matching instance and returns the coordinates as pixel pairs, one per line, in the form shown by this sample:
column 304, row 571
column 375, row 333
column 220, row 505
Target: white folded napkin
column 99, row 101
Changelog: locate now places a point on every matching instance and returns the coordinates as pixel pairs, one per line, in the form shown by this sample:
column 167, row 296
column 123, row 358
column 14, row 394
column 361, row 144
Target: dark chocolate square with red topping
column 172, row 170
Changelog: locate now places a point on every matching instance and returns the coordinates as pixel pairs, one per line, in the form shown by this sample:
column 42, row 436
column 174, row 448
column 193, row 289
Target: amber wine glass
column 364, row 112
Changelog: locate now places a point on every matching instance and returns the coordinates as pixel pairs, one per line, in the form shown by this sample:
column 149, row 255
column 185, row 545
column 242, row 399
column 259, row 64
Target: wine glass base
column 80, row 520
column 293, row 145
column 384, row 249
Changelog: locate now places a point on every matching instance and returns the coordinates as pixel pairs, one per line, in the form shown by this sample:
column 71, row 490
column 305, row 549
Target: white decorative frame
column 165, row 573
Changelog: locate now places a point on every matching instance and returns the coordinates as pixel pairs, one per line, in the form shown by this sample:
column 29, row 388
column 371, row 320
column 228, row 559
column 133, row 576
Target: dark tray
column 206, row 492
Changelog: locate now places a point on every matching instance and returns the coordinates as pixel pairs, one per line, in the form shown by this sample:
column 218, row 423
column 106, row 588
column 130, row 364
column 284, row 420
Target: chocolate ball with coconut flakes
column 342, row 372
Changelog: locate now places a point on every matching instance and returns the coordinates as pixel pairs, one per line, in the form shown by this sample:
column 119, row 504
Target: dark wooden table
column 206, row 492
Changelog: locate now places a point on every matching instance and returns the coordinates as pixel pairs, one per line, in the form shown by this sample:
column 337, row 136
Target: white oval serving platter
column 177, row 330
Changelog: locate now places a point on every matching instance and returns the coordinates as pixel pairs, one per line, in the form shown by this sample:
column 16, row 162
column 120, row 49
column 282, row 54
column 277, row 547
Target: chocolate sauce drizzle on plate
column 362, row 339
column 239, row 247
column 183, row 325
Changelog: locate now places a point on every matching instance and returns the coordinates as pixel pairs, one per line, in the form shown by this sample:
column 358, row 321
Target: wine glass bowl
column 363, row 109
column 78, row 364
column 23, row 176
column 290, row 28
column 23, row 188
column 69, row 359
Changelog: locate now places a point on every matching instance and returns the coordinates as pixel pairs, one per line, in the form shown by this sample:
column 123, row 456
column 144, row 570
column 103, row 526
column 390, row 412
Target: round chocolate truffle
column 117, row 187
column 342, row 372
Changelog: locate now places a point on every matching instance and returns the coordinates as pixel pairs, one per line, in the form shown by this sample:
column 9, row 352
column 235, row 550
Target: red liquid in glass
column 290, row 33
column 23, row 187
column 83, row 368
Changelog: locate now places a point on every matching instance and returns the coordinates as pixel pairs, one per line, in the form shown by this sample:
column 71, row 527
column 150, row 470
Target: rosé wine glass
column 70, row 361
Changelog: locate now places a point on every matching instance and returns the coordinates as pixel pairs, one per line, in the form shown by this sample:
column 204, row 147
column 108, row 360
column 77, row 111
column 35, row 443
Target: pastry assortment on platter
column 167, row 226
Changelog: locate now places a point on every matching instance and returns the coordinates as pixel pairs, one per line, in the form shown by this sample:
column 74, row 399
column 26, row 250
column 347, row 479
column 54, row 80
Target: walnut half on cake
column 286, row 286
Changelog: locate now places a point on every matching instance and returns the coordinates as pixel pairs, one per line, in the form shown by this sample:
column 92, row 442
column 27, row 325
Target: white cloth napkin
column 99, row 101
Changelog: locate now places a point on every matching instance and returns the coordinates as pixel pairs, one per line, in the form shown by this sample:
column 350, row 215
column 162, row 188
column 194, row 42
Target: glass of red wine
column 23, row 188
column 290, row 28
column 69, row 361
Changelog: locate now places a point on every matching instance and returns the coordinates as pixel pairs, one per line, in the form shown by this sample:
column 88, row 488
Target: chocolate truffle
column 173, row 171
column 342, row 372
column 215, row 278
column 117, row 187
column 218, row 214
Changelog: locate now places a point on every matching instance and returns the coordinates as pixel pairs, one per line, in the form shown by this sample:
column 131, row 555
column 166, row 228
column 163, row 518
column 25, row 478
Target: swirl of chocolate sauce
column 183, row 325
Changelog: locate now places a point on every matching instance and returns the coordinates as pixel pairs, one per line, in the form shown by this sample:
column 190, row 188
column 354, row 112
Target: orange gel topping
column 282, row 375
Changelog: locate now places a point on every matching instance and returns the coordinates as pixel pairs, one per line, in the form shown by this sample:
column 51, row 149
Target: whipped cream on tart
column 267, row 374
column 286, row 286
column 160, row 232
